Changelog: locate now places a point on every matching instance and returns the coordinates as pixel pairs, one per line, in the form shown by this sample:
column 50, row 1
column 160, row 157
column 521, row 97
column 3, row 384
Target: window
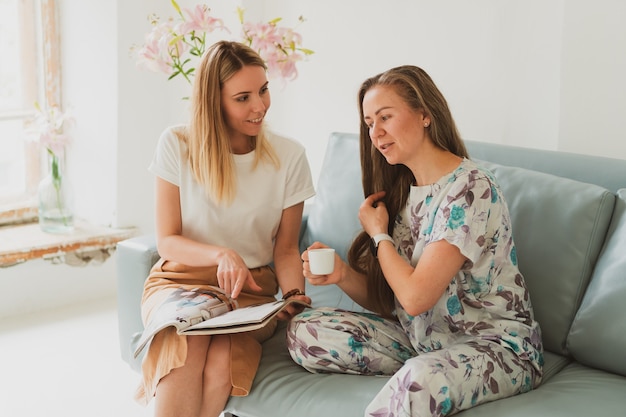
column 29, row 72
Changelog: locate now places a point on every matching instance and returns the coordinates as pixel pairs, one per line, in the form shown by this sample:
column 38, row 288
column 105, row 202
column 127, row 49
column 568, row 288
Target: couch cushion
column 282, row 388
column 598, row 335
column 605, row 172
column 332, row 218
column 559, row 227
column 575, row 391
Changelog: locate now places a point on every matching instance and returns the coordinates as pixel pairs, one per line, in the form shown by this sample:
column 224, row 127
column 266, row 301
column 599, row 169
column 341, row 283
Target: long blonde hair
column 210, row 155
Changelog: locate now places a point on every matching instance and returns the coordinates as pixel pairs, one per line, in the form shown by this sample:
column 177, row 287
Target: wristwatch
column 376, row 239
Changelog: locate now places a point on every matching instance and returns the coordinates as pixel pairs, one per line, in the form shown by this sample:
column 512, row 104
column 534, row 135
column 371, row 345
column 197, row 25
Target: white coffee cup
column 322, row 261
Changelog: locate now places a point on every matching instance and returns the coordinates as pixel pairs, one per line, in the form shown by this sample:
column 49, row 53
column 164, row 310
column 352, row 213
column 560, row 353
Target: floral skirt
column 168, row 349
column 436, row 383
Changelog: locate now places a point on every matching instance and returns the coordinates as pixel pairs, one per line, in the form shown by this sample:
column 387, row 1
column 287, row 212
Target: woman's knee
column 218, row 359
column 197, row 348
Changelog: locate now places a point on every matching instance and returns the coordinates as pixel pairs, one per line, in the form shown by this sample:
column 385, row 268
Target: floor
column 66, row 363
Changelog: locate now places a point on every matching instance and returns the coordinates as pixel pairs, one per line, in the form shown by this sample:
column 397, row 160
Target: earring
column 426, row 124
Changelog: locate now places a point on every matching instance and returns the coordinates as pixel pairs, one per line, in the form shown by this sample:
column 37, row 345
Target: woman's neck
column 242, row 144
column 433, row 165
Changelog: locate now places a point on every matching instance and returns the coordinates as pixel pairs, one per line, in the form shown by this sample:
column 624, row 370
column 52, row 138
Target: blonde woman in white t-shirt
column 229, row 200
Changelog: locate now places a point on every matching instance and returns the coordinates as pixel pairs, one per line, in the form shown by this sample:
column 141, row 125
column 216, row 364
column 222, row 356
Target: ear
column 425, row 119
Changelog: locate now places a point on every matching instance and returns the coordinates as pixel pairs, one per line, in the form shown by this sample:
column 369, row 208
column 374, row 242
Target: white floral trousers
column 436, row 383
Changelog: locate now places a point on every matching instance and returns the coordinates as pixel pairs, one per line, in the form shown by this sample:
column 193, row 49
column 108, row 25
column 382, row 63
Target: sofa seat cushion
column 282, row 388
column 559, row 227
column 598, row 335
column 575, row 391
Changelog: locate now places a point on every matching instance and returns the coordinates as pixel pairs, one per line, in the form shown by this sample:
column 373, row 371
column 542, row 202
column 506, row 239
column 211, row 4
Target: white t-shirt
column 249, row 224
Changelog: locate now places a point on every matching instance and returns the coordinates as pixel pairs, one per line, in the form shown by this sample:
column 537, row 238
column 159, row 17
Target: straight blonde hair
column 209, row 151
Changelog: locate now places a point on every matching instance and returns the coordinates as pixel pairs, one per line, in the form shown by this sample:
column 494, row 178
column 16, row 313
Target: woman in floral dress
column 453, row 323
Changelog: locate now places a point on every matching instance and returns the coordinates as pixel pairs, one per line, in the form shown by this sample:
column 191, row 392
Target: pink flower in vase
column 262, row 37
column 51, row 126
column 175, row 46
column 155, row 54
column 199, row 20
column 55, row 212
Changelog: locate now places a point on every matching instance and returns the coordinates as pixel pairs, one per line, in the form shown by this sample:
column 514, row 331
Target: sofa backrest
column 605, row 172
column 559, row 227
column 332, row 219
column 598, row 335
column 609, row 173
column 559, row 224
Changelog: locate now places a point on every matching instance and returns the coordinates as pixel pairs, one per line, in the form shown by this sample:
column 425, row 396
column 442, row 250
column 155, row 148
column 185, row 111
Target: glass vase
column 56, row 197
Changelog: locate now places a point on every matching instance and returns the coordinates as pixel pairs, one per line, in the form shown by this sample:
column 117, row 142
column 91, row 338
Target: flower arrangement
column 51, row 127
column 278, row 46
column 174, row 46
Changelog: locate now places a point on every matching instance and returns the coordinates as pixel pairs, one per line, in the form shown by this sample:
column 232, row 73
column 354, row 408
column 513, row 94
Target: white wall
column 536, row 74
column 593, row 86
column 90, row 78
column 38, row 285
column 542, row 74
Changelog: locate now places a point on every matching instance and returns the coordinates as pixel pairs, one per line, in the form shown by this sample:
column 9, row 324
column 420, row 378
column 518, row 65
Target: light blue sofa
column 569, row 217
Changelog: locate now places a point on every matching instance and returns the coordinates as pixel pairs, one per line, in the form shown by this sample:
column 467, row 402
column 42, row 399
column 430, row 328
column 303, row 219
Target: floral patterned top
column 488, row 298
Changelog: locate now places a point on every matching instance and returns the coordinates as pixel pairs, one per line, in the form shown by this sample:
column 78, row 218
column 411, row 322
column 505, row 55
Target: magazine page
column 183, row 308
column 242, row 319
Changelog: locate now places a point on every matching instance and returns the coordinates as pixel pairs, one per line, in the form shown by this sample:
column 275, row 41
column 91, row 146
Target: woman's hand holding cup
column 319, row 264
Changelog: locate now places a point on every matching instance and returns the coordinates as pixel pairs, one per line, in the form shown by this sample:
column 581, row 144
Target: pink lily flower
column 199, row 20
column 175, row 46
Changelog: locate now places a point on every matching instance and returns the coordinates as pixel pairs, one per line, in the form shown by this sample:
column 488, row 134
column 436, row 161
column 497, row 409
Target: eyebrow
column 249, row 92
column 378, row 111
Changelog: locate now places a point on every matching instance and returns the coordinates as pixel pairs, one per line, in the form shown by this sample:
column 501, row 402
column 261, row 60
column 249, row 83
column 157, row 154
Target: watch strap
column 380, row 237
column 376, row 239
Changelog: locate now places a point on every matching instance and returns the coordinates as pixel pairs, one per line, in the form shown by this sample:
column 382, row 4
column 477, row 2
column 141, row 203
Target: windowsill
column 23, row 242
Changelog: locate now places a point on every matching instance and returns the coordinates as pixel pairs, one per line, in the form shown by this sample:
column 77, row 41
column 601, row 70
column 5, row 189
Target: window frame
column 45, row 67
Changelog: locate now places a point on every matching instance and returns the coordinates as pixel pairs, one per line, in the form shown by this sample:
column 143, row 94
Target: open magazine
column 205, row 312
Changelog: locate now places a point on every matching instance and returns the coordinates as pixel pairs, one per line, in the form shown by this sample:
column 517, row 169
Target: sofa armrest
column 135, row 258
